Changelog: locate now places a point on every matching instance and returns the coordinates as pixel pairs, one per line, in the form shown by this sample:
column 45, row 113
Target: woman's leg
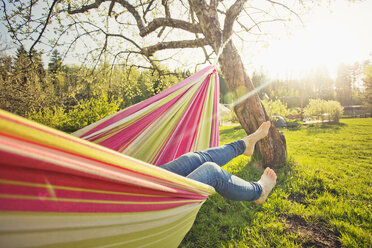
column 227, row 185
column 187, row 163
column 233, row 187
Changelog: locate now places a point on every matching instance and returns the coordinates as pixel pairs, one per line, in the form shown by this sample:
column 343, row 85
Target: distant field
column 323, row 196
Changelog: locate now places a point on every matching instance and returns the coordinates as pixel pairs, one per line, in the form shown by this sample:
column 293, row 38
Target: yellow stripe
column 24, row 197
column 38, row 185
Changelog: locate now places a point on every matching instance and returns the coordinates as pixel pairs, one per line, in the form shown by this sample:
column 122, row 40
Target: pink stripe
column 186, row 129
column 133, row 109
column 215, row 135
column 67, row 180
column 41, row 205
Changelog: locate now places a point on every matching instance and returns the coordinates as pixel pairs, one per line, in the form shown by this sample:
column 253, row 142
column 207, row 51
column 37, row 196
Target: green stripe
column 169, row 235
column 24, row 197
column 67, row 215
column 205, row 125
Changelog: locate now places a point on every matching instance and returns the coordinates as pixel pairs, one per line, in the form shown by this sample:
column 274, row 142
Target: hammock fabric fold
column 57, row 190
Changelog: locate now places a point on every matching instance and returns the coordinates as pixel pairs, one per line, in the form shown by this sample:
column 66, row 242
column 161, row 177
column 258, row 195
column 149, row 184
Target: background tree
column 367, row 96
column 344, row 85
column 144, row 28
column 23, row 83
column 322, row 83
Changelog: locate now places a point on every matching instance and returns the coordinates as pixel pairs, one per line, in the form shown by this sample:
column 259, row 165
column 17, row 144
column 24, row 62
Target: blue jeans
column 205, row 167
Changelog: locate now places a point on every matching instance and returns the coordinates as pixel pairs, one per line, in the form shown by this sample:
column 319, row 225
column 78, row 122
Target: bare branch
column 149, row 51
column 221, row 11
column 207, row 57
column 85, row 8
column 167, row 15
column 286, row 7
column 153, row 25
column 45, row 25
column 111, row 7
column 147, row 10
column 253, row 20
column 231, row 15
column 134, row 13
column 256, row 24
column 166, row 8
column 9, row 24
column 174, row 23
column 75, row 40
column 125, row 38
column 115, row 57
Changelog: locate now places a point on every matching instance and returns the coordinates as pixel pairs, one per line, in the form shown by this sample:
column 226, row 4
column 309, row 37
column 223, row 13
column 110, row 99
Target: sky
column 341, row 33
column 333, row 32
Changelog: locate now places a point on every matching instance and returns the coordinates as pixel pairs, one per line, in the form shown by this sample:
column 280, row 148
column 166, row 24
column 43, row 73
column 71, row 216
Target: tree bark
column 250, row 111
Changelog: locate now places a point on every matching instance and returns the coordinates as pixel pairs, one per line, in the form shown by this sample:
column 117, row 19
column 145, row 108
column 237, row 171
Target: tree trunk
column 250, row 111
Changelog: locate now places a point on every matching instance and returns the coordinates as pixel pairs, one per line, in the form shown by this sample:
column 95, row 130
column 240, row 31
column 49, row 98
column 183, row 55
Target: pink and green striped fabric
column 57, row 190
column 180, row 119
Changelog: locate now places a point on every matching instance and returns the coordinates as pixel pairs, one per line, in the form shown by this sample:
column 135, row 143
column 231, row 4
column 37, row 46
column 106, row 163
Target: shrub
column 86, row 112
column 52, row 117
column 275, row 107
column 322, row 109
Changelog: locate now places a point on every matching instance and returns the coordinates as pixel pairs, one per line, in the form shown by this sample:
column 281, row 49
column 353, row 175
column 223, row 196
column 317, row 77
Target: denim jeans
column 205, row 167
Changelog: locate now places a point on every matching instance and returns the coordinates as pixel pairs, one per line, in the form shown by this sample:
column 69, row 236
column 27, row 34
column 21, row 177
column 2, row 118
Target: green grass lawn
column 322, row 198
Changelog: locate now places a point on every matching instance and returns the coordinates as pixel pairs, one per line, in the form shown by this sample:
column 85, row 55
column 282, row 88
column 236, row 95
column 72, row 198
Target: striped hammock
column 57, row 190
column 180, row 119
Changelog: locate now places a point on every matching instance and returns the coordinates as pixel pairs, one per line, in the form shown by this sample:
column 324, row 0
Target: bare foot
column 250, row 141
column 267, row 181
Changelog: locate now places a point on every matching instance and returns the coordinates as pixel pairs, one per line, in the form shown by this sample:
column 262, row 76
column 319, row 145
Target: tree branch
column 45, row 25
column 231, row 15
column 85, row 8
column 167, row 15
column 174, row 23
column 286, row 7
column 149, row 51
column 256, row 24
column 10, row 27
column 158, row 22
column 147, row 10
column 111, row 7
column 134, row 13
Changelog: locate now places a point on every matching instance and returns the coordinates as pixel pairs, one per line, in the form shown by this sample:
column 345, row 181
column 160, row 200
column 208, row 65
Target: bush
column 85, row 113
column 294, row 124
column 275, row 107
column 321, row 109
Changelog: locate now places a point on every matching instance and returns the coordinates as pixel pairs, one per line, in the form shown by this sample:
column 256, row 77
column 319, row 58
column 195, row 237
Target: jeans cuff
column 241, row 147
